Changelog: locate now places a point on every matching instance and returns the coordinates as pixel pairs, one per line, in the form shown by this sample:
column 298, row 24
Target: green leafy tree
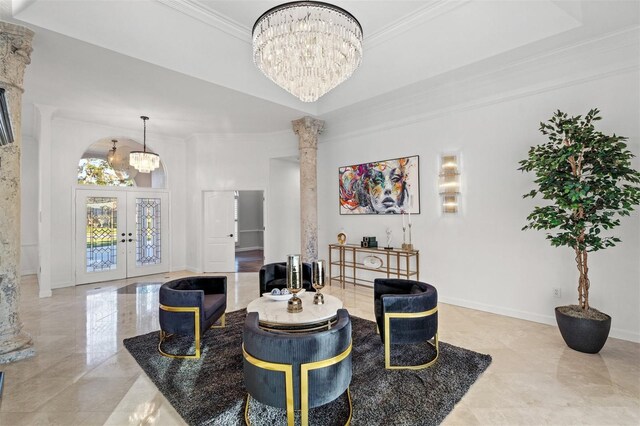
column 96, row 171
column 588, row 180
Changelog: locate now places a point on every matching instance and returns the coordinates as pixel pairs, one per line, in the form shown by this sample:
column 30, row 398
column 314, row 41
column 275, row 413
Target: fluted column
column 15, row 51
column 308, row 129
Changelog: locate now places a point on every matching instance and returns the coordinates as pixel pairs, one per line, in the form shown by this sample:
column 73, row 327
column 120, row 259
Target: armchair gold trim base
column 387, row 339
column 196, row 332
column 287, row 369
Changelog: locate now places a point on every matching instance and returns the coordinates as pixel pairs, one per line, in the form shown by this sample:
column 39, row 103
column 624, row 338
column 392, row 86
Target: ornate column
column 308, row 129
column 15, row 51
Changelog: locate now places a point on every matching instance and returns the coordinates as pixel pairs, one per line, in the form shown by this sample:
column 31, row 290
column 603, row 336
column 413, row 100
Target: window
column 96, row 171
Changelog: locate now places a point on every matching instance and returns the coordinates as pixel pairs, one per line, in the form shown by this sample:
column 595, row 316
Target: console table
column 348, row 259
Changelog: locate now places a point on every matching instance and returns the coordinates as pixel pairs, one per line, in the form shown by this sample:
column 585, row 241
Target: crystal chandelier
column 144, row 161
column 307, row 47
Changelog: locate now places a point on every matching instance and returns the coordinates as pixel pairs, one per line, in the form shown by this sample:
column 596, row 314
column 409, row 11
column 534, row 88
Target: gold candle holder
column 317, row 280
column 294, row 282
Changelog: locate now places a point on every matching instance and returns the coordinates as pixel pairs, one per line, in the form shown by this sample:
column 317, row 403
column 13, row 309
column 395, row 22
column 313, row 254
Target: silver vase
column 317, row 280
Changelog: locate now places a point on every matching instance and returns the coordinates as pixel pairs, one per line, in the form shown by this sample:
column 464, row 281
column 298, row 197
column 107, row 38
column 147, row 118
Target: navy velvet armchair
column 297, row 371
column 274, row 275
column 190, row 306
column 406, row 312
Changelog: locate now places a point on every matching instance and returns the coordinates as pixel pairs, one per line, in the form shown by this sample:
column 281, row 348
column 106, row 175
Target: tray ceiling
column 204, row 47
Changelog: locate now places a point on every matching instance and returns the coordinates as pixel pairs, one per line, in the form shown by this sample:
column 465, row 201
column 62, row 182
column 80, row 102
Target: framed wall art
column 380, row 187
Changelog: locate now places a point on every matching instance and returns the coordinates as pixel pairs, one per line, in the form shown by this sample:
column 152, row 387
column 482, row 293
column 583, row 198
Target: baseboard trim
column 62, row 284
column 616, row 333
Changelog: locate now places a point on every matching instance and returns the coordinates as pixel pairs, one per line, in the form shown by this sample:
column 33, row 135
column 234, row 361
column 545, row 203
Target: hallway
column 249, row 261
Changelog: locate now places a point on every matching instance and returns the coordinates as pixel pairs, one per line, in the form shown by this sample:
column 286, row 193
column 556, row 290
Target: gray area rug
column 210, row 391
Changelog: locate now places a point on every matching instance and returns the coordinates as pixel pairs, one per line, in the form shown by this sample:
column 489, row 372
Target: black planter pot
column 583, row 334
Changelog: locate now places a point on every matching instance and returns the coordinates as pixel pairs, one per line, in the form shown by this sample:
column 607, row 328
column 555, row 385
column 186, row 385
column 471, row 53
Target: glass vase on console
column 317, row 280
column 294, row 282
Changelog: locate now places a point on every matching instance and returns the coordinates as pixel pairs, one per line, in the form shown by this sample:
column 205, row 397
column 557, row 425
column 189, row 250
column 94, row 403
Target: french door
column 120, row 234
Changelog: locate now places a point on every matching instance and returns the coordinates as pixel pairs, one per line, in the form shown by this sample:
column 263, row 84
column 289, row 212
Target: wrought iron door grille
column 148, row 231
column 102, row 234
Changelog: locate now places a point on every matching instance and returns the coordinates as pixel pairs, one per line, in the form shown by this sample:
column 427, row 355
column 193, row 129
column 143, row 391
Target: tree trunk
column 583, row 281
column 584, row 276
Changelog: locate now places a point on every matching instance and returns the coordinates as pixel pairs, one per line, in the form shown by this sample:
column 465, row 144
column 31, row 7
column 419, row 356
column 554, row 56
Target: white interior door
column 219, row 228
column 147, row 233
column 101, row 227
column 120, row 234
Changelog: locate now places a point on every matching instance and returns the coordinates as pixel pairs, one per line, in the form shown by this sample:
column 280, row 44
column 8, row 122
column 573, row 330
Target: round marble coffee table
column 273, row 314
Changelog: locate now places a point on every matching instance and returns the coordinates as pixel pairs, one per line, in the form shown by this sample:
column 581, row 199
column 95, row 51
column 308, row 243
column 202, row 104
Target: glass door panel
column 147, row 216
column 100, row 242
column 148, row 231
column 102, row 234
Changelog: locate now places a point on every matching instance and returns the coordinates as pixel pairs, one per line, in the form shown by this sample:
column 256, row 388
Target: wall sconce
column 449, row 182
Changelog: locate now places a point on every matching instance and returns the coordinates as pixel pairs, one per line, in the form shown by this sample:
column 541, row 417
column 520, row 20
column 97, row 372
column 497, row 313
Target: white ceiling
column 187, row 63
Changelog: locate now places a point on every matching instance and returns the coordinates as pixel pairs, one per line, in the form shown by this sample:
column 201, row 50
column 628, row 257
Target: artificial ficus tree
column 587, row 179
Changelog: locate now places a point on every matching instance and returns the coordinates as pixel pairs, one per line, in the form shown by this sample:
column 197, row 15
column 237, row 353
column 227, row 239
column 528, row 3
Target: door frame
column 265, row 217
column 125, row 190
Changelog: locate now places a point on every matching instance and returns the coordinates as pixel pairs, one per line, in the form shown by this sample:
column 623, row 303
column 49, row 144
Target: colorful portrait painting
column 381, row 187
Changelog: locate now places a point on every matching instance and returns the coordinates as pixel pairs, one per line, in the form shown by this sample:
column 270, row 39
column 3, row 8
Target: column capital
column 15, row 53
column 308, row 128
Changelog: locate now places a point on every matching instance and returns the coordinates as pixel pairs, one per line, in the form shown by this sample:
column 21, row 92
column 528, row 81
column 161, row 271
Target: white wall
column 284, row 209
column 481, row 258
column 250, row 220
column 70, row 139
column 231, row 163
column 29, row 206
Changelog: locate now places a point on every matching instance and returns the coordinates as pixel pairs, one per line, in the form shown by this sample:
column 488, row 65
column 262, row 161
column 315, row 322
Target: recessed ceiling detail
column 199, row 51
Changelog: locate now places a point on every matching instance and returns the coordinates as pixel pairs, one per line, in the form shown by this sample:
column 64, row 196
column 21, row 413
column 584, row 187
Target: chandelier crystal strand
column 307, row 48
column 144, row 161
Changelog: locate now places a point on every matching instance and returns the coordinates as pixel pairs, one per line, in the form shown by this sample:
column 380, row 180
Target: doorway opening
column 234, row 231
column 249, row 226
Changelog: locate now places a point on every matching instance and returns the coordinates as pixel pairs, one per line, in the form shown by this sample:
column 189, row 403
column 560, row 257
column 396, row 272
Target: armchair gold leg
column 196, row 320
column 304, row 381
column 304, row 384
column 223, row 322
column 287, row 369
column 387, row 340
column 246, row 410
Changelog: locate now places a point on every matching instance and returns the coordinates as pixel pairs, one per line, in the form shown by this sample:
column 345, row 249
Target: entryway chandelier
column 111, row 155
column 144, row 161
column 307, row 47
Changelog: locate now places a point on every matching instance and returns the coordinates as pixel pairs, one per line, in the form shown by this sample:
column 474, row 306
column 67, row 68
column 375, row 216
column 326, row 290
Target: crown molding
column 196, row 10
column 245, row 136
column 618, row 53
column 626, row 38
column 475, row 104
column 111, row 130
column 420, row 16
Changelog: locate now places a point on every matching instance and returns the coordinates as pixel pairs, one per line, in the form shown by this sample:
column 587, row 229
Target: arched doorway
column 122, row 220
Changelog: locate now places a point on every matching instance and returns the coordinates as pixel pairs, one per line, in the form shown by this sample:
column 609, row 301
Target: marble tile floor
column 82, row 375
